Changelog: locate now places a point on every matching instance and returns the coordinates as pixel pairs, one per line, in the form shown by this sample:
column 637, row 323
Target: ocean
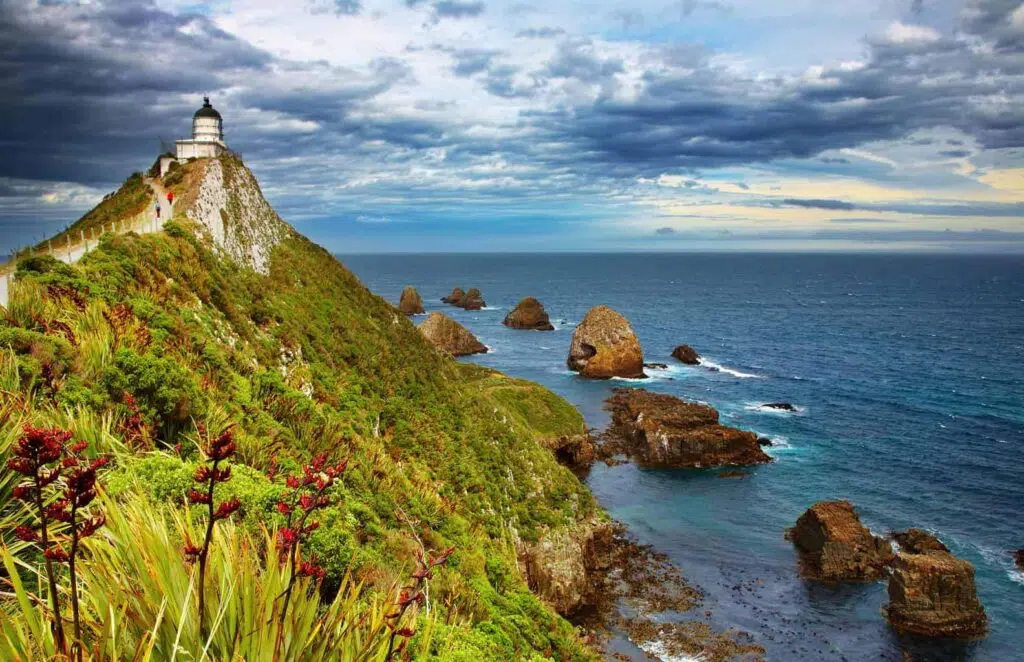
column 908, row 375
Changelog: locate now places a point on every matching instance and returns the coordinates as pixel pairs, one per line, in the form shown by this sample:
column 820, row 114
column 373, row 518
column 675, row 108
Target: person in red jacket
column 170, row 197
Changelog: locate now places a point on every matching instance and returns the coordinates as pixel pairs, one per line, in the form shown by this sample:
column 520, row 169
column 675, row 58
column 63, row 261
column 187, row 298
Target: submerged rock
column 529, row 314
column 449, row 336
column 686, row 354
column 918, row 541
column 782, row 406
column 834, row 546
column 455, row 298
column 933, row 594
column 410, row 303
column 604, row 345
column 662, row 430
column 656, row 366
column 473, row 300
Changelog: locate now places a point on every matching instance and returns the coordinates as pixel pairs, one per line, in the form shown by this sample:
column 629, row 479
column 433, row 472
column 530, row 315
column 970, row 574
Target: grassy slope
column 131, row 199
column 441, row 450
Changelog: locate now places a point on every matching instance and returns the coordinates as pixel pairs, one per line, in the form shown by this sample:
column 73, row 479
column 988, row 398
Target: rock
column 934, row 595
column 662, row 430
column 410, row 303
column 557, row 566
column 1018, row 557
column 686, row 354
column 449, row 336
column 472, row 301
column 529, row 314
column 656, row 366
column 604, row 346
column 575, row 451
column 782, row 406
column 765, row 441
column 918, row 541
column 455, row 298
column 834, row 546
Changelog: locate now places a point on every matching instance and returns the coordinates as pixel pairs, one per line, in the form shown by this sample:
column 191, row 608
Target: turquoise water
column 909, row 375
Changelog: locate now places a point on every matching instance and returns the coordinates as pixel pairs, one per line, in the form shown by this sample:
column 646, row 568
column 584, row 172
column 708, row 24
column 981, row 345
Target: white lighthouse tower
column 207, row 135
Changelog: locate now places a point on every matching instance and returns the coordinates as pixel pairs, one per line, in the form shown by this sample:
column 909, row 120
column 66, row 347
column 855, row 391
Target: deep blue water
column 909, row 371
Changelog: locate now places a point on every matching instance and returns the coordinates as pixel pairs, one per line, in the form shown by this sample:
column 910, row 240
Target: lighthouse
column 207, row 135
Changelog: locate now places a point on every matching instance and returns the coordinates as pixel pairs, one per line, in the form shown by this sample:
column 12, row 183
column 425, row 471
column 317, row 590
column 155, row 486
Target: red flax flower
column 305, row 493
column 412, row 595
column 218, row 450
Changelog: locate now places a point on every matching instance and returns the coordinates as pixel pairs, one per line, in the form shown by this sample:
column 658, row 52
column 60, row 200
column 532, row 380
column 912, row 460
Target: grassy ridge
column 301, row 362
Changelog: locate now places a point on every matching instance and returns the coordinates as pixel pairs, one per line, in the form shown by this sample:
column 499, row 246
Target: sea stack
column 455, row 298
column 529, row 314
column 933, row 594
column 473, row 300
column 834, row 546
column 604, row 346
column 686, row 354
column 661, row 430
column 410, row 303
column 449, row 336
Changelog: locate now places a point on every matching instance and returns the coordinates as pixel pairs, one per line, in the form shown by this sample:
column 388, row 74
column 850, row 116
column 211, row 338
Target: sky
column 530, row 125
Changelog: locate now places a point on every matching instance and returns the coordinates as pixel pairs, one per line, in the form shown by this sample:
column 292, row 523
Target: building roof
column 207, row 110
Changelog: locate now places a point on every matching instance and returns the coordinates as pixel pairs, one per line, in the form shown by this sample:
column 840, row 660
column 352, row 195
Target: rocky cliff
column 230, row 207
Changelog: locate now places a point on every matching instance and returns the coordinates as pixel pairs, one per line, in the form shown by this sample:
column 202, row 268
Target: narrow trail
column 143, row 223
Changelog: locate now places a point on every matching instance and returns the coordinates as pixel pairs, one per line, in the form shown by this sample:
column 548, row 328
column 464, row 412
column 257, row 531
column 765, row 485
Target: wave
column 659, row 650
column 763, row 408
column 718, row 367
column 493, row 308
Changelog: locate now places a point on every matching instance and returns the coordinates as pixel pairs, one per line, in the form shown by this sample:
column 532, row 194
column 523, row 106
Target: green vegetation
column 152, row 344
column 133, row 198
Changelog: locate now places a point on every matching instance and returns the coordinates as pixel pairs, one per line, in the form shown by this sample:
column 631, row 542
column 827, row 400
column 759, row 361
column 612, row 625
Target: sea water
column 908, row 375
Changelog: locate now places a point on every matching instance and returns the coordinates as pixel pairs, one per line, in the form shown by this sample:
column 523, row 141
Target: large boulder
column 529, row 314
column 604, row 346
column 455, row 298
column 558, row 567
column 473, row 300
column 933, row 594
column 686, row 354
column 449, row 336
column 834, row 546
column 918, row 541
column 662, row 430
column 410, row 303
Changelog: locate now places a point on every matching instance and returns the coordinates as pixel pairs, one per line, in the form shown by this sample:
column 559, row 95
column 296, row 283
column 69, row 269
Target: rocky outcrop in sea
column 410, row 303
column 834, row 546
column 664, row 431
column 686, row 354
column 529, row 314
column 455, row 298
column 918, row 541
column 933, row 594
column 604, row 345
column 447, row 335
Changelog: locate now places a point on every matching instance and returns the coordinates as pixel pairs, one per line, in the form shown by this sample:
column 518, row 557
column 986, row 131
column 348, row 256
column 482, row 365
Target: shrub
column 162, row 388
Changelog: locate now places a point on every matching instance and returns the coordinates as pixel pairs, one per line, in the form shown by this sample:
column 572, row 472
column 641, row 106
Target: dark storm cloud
column 955, row 153
column 86, row 83
column 818, row 204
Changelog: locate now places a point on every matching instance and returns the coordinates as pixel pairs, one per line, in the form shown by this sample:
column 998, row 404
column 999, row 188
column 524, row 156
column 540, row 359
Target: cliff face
column 230, row 206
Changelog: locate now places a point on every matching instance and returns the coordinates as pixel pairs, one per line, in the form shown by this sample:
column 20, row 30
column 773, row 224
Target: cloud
column 540, row 33
column 458, row 8
column 819, row 204
column 665, row 231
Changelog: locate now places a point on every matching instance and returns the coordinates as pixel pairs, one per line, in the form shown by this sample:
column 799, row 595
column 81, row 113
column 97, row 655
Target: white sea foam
column 493, row 308
column 660, row 651
column 708, row 363
column 1016, row 576
column 763, row 408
